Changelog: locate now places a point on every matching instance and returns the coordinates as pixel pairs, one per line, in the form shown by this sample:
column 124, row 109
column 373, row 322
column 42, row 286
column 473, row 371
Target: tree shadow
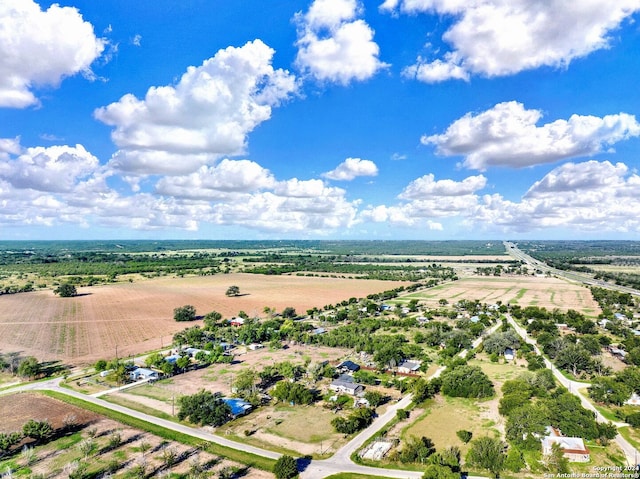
column 303, row 462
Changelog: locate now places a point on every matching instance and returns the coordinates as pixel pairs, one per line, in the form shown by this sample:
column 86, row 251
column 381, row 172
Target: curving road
column 340, row 462
column 574, row 388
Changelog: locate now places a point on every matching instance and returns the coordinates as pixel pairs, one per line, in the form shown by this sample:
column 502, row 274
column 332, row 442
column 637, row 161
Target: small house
column 634, row 400
column 237, row 321
column 617, row 352
column 345, row 384
column 173, row 359
column 255, row 346
column 348, row 367
column 620, row 317
column 409, row 367
column 509, row 354
column 573, row 448
column 140, row 374
column 238, row 406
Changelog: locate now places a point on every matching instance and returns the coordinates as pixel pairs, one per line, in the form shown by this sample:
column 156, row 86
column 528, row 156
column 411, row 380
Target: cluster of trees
column 39, row 431
column 356, row 421
column 26, row 367
column 466, row 381
column 532, row 402
column 287, row 264
column 294, row 393
column 204, row 408
column 616, row 389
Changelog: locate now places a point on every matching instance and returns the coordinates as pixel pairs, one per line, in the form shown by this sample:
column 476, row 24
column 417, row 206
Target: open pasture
column 138, row 317
column 524, row 291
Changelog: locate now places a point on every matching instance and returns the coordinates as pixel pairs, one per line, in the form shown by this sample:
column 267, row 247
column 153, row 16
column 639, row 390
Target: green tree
column 38, row 430
column 289, row 312
column 285, row 467
column 514, row 461
column 204, row 408
column 101, row 365
column 29, row 367
column 466, row 381
column 487, row 453
column 417, row 450
column 374, row 397
column 184, row 313
column 556, row 461
column 66, row 290
column 294, row 393
column 9, row 439
column 233, row 291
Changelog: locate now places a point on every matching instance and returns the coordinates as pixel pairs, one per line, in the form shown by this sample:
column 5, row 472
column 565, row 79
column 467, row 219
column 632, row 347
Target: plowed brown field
column 137, row 317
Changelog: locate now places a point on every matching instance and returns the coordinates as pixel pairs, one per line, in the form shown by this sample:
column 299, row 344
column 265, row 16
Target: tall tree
column 487, row 453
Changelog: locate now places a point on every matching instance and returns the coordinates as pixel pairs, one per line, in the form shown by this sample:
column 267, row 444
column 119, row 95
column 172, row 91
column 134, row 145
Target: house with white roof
column 573, row 448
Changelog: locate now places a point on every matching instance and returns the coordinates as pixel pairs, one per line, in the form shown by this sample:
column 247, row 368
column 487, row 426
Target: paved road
column 317, row 469
column 574, row 388
column 583, row 278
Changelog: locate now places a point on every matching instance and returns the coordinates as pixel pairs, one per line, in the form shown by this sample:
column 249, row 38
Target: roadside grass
column 136, row 406
column 606, row 412
column 242, row 457
column 154, row 391
column 630, row 434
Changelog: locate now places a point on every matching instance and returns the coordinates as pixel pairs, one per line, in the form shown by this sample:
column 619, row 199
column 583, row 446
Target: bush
column 402, row 414
column 66, row 290
column 285, row 467
column 184, row 313
column 464, row 436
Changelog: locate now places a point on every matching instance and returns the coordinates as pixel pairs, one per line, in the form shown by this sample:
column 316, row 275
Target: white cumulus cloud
column 583, row 197
column 53, row 169
column 226, row 178
column 208, row 114
column 351, row 168
column 508, row 135
column 503, row 37
column 427, row 199
column 41, row 48
column 335, row 45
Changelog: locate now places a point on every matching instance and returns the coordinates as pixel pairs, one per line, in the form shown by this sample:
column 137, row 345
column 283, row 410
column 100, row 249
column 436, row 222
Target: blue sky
column 340, row 119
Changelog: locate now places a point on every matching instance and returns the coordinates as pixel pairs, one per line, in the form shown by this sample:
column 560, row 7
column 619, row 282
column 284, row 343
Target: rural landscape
column 319, row 359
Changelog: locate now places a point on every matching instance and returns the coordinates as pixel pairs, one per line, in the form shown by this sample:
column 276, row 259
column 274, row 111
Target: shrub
column 285, row 467
column 464, row 436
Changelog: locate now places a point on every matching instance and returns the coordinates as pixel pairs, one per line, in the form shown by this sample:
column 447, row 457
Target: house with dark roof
column 348, row 367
